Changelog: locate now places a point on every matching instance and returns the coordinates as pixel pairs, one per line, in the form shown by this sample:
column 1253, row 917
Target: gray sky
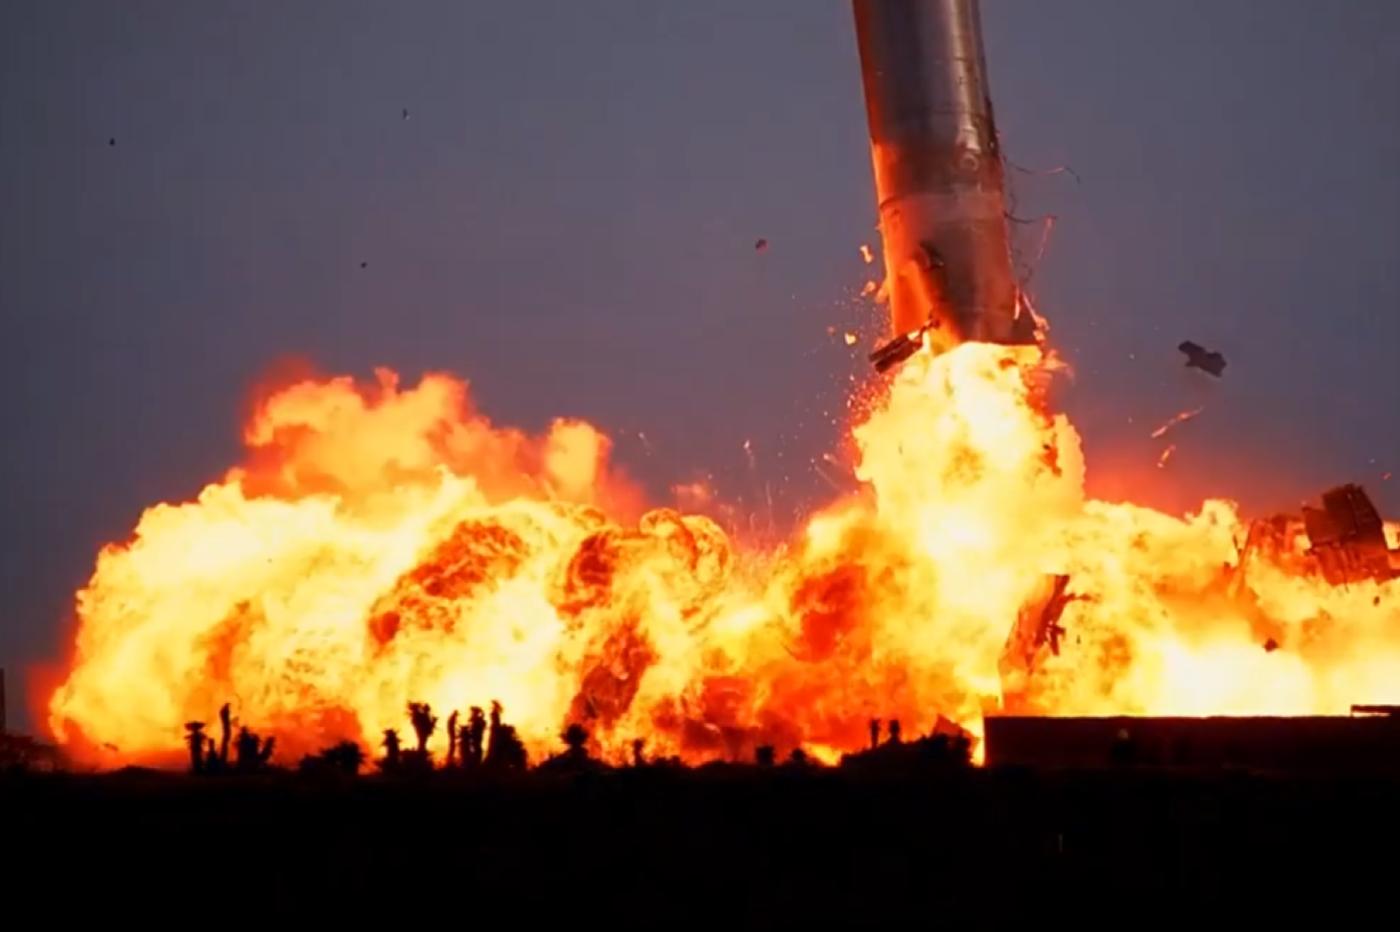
column 568, row 219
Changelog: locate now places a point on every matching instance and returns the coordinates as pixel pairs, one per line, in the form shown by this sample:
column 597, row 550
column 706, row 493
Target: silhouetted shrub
column 575, row 738
column 389, row 763
column 504, row 749
column 194, row 740
column 424, row 722
column 253, row 752
column 345, row 757
column 452, row 739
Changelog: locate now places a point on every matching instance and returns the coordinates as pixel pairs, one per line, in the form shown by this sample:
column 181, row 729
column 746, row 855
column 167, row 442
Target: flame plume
column 380, row 543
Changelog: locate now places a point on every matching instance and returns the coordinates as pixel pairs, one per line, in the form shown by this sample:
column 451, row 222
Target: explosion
column 380, row 544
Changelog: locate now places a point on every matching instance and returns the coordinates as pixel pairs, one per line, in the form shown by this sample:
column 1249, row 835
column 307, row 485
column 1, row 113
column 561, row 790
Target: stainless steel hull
column 938, row 173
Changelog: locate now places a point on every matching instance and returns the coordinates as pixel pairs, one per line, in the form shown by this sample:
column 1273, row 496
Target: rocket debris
column 897, row 350
column 1348, row 538
column 1178, row 418
column 760, row 245
column 1199, row 357
column 1166, row 456
column 866, row 254
column 1036, row 635
column 939, row 176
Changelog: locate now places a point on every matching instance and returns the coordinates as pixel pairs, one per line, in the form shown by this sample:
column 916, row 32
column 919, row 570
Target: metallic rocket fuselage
column 939, row 177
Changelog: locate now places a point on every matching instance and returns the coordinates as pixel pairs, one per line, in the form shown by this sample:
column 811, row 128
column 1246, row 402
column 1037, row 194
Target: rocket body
column 939, row 177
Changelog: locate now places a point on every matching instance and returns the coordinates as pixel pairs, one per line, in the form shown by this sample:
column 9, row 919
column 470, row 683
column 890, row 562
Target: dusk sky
column 568, row 217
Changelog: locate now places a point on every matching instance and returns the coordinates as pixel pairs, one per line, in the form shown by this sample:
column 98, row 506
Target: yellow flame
column 381, row 544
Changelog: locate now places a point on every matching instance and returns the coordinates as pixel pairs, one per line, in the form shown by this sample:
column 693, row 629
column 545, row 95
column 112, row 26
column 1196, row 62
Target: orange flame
column 380, row 544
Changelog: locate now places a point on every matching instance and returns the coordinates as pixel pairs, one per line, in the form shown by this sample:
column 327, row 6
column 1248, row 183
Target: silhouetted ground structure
column 947, row 747
column 1295, row 745
column 24, row 753
column 905, row 831
column 726, row 846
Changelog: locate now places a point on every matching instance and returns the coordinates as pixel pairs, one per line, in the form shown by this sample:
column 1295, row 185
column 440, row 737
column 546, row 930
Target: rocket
column 939, row 178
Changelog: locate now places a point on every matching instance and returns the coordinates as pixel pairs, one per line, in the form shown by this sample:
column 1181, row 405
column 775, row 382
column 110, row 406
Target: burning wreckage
column 1346, row 544
column 941, row 193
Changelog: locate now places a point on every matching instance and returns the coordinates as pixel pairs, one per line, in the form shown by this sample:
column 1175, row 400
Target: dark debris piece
column 1199, row 357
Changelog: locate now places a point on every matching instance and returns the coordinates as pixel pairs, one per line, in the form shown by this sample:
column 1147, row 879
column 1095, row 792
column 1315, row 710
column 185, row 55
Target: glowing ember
column 851, row 338
column 379, row 544
column 1166, row 456
column 870, row 287
column 1180, row 417
column 866, row 254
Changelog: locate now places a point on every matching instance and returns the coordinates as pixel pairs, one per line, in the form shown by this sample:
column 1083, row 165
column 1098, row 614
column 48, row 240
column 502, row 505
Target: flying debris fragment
column 1166, row 456
column 1178, row 418
column 850, row 338
column 1199, row 357
column 897, row 350
column 364, row 265
column 760, row 245
column 866, row 254
column 405, row 113
column 112, row 141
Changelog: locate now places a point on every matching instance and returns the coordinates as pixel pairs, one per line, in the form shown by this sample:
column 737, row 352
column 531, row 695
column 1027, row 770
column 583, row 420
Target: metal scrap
column 1198, row 357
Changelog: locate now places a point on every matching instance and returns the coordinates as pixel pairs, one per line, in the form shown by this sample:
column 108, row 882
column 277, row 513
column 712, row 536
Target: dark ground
column 729, row 847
